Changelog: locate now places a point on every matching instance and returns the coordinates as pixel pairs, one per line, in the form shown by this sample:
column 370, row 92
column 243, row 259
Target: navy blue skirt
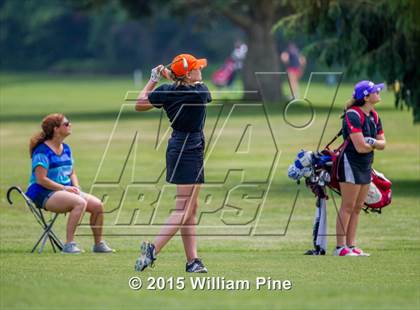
column 352, row 171
column 185, row 158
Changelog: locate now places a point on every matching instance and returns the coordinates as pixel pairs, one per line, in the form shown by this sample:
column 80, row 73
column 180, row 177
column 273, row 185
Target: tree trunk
column 262, row 57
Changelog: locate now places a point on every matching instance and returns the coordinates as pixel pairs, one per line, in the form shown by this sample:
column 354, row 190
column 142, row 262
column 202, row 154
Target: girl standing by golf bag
column 363, row 133
column 184, row 102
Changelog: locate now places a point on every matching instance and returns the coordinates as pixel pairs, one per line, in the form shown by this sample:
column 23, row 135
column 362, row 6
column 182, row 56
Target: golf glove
column 155, row 74
column 370, row 141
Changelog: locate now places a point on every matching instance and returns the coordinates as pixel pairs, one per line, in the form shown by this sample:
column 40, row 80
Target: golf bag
column 225, row 75
column 379, row 194
column 319, row 232
column 320, row 170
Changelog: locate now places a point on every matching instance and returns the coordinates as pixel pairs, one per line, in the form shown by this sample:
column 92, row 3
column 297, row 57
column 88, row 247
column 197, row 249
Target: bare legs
column 352, row 199
column 183, row 218
column 76, row 205
column 189, row 238
column 354, row 219
column 294, row 83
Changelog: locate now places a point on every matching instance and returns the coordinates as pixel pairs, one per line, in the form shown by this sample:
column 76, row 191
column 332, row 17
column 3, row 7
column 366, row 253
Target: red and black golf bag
column 225, row 75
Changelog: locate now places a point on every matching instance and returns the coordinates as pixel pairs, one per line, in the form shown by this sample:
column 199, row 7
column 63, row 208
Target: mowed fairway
column 239, row 138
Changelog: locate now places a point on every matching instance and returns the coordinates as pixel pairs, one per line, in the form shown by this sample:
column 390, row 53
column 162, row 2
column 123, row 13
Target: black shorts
column 352, row 171
column 185, row 158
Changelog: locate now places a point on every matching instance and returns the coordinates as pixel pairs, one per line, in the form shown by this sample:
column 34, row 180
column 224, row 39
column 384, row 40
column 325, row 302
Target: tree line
column 365, row 38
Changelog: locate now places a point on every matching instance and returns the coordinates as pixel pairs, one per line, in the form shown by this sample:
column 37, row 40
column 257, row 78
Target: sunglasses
column 66, row 124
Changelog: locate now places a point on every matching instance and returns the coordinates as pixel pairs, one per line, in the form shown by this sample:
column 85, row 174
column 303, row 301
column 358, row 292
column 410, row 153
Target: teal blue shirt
column 59, row 167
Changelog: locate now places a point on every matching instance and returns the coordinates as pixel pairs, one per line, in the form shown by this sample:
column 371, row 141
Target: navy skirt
column 352, row 171
column 185, row 158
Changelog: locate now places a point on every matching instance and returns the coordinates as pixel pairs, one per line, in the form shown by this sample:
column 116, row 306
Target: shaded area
column 90, row 116
column 406, row 188
column 273, row 108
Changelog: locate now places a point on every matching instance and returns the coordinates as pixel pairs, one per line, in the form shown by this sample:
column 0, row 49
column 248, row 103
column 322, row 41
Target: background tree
column 35, row 34
column 66, row 37
column 255, row 17
column 366, row 37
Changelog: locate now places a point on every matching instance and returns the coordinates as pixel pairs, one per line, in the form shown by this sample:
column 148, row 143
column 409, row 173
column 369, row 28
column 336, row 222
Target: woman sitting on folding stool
column 54, row 185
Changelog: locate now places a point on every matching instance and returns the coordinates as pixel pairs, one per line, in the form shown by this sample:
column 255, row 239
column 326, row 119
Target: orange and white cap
column 184, row 63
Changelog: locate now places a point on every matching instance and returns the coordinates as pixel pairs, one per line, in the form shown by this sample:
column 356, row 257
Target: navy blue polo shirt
column 184, row 105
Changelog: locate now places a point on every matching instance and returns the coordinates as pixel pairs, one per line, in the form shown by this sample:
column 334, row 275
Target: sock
column 192, row 261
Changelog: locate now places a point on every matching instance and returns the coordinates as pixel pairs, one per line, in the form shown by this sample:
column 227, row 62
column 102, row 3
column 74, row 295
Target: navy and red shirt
column 352, row 123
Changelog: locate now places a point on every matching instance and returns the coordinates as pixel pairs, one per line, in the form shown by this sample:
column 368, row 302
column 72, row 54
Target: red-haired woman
column 54, row 185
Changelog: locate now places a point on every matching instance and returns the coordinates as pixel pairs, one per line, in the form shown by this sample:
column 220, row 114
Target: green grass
column 388, row 279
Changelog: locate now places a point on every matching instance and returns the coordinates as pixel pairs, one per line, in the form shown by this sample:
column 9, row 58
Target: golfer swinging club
column 184, row 102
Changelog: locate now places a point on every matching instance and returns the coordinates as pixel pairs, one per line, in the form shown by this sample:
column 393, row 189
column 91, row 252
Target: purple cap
column 364, row 88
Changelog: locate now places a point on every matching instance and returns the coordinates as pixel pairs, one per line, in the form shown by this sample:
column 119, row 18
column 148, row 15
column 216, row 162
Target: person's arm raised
column 143, row 103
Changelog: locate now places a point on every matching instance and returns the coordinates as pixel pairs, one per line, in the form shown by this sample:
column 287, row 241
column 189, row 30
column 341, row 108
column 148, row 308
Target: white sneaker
column 102, row 247
column 359, row 252
column 71, row 248
column 344, row 251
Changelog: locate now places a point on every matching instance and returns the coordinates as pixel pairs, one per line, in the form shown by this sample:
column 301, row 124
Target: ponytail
column 178, row 80
column 36, row 140
column 354, row 103
column 349, row 103
column 48, row 124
